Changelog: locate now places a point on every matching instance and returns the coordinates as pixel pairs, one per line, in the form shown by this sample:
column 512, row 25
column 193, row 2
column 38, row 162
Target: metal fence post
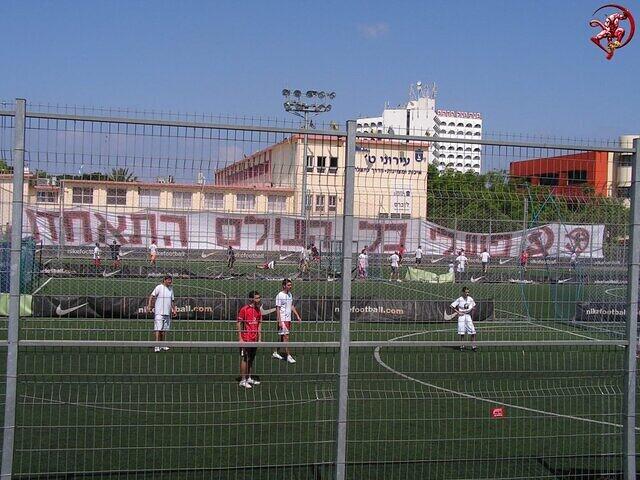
column 630, row 369
column 345, row 301
column 14, row 291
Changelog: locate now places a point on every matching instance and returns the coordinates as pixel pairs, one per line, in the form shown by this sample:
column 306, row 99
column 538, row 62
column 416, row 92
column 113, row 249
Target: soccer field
column 414, row 412
column 116, row 411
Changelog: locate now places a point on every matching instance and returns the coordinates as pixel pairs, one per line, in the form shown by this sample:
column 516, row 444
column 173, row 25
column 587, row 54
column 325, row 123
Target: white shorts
column 465, row 325
column 162, row 323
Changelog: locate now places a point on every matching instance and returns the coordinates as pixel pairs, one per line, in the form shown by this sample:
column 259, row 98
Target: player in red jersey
column 249, row 330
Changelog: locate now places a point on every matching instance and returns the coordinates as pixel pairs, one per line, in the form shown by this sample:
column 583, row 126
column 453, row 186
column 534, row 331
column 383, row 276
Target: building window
column 577, row 177
column 276, row 204
column 47, row 197
column 116, row 196
column 333, row 203
column 182, row 199
column 319, row 203
column 333, row 164
column 83, row 195
column 549, row 179
column 477, row 125
column 214, row 201
column 245, row 201
column 625, row 160
column 309, row 163
column 322, row 164
column 624, row 192
column 149, row 198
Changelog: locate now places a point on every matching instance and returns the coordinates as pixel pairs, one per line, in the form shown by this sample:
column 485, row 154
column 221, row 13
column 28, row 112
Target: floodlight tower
column 316, row 102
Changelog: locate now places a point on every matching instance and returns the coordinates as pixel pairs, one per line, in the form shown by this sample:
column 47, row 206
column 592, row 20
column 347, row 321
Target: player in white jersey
column 485, row 257
column 163, row 304
column 464, row 306
column 284, row 309
column 153, row 253
column 363, row 264
column 395, row 266
column 419, row 255
column 96, row 256
column 461, row 260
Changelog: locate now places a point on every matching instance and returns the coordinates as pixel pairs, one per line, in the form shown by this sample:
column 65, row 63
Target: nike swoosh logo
column 284, row 257
column 474, row 280
column 437, row 260
column 564, row 280
column 206, row 255
column 450, row 316
column 502, row 262
column 267, row 311
column 63, row 311
column 109, row 274
column 124, row 254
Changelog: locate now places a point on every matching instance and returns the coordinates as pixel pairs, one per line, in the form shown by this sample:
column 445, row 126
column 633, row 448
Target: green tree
column 122, row 175
column 4, row 166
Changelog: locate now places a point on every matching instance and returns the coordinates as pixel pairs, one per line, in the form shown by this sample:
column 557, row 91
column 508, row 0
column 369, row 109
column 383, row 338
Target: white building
column 419, row 116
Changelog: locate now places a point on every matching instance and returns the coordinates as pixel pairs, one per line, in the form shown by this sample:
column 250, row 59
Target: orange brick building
column 567, row 175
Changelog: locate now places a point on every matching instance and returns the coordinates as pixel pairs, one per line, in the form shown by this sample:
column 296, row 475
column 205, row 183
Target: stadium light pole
column 316, row 103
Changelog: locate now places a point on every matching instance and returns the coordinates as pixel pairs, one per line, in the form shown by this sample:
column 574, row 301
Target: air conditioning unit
column 200, row 179
column 170, row 179
column 161, row 180
column 42, row 182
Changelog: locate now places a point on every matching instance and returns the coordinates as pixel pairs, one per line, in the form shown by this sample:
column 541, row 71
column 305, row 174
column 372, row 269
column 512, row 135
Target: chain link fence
column 392, row 372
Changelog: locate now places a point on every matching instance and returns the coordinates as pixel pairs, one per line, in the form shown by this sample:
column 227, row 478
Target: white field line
column 43, row 285
column 376, row 355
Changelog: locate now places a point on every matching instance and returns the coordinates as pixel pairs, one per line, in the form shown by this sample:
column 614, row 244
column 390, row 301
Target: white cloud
column 373, row 30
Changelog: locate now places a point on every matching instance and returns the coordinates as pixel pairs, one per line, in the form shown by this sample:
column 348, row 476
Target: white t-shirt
column 574, row 257
column 464, row 305
column 153, row 249
column 485, row 257
column 363, row 260
column 284, row 302
column 462, row 261
column 164, row 297
column 304, row 255
column 96, row 253
column 419, row 253
column 394, row 260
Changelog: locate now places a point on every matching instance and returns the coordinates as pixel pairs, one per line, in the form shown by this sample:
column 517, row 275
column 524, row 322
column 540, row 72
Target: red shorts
column 286, row 330
column 96, row 262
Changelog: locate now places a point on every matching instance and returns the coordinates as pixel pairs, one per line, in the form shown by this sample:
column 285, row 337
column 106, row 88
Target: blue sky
column 528, row 66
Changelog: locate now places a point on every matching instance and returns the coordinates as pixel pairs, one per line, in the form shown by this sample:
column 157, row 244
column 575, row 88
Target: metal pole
column 305, row 204
column 630, row 367
column 14, row 290
column 345, row 301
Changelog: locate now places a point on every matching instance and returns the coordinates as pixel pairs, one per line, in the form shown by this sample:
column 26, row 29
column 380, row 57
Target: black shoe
column 462, row 348
column 475, row 349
